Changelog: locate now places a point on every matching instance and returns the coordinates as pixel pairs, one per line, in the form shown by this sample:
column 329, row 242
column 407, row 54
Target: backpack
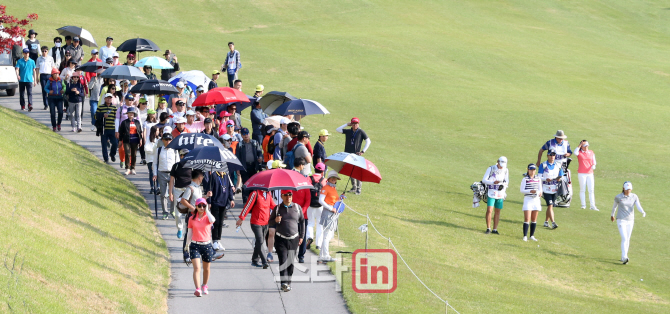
column 290, row 157
column 315, row 192
column 271, row 145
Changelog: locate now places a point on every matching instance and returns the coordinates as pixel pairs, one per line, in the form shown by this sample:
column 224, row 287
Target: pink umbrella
column 354, row 166
column 278, row 179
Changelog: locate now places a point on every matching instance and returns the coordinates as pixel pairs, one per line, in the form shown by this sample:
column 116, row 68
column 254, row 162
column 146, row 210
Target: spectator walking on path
column 75, row 92
column 66, row 61
column 560, row 145
column 531, row 190
column 105, row 118
column 121, row 115
column 94, row 91
column 180, row 179
column 497, row 180
column 55, row 89
column 130, row 132
column 257, row 117
column 199, row 245
column 164, row 159
column 587, row 163
column 33, row 45
column 26, row 72
column 232, row 64
column 167, row 74
column 288, row 221
column 221, row 193
column 551, row 171
column 302, row 198
column 45, row 64
column 259, row 204
column 76, row 51
column 151, row 138
column 352, row 144
column 179, row 126
column 94, row 58
column 315, row 208
column 249, row 152
column 625, row 216
column 57, row 52
column 327, row 199
column 108, row 50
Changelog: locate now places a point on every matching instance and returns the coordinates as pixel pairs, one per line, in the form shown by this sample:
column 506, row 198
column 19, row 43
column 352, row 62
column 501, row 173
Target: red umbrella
column 278, row 179
column 219, row 96
column 354, row 166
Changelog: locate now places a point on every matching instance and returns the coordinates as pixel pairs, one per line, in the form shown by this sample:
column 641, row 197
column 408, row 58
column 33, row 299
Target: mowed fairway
column 444, row 88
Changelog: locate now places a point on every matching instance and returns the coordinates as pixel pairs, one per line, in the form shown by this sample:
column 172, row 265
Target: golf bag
column 564, row 194
column 480, row 193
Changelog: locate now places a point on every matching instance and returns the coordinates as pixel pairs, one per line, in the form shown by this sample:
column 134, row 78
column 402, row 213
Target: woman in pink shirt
column 199, row 244
column 587, row 163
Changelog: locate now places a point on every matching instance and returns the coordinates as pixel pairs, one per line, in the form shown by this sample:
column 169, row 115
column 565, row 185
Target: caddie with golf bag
column 496, row 179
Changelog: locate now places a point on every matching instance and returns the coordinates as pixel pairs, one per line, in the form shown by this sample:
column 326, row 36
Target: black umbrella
column 154, row 87
column 138, row 44
column 272, row 100
column 93, row 67
column 211, row 158
column 123, row 72
column 85, row 37
column 192, row 141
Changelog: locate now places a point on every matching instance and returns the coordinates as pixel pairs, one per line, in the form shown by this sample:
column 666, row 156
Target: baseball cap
column 324, row 132
column 216, row 72
column 190, row 113
column 230, row 122
column 180, row 84
column 167, row 136
column 208, row 120
column 179, row 120
column 110, row 59
column 226, row 137
column 115, row 55
column 151, row 111
column 108, row 95
column 286, row 192
column 260, row 88
column 304, row 134
column 278, row 164
column 225, row 114
column 130, row 55
column 75, row 38
column 284, row 120
column 129, row 96
column 212, row 110
column 200, row 201
column 94, row 51
column 627, row 185
column 162, row 100
column 320, row 166
column 131, row 109
column 244, row 131
column 26, row 50
column 502, row 160
column 142, row 100
column 108, row 38
column 68, row 53
column 355, row 120
column 551, row 152
column 167, row 130
column 179, row 102
column 532, row 167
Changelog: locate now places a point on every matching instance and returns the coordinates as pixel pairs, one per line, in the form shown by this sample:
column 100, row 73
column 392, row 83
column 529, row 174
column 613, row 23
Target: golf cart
column 8, row 80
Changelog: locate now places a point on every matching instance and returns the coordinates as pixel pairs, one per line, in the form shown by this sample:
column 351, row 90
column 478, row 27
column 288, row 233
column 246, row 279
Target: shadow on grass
column 438, row 223
column 482, row 216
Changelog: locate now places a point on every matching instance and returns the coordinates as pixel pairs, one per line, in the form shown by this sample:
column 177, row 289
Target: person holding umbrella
column 327, row 199
column 94, row 58
column 148, row 71
column 130, row 132
column 625, row 217
column 108, row 50
column 259, row 204
column 164, row 159
column 354, row 139
column 180, row 179
column 288, row 221
column 130, row 59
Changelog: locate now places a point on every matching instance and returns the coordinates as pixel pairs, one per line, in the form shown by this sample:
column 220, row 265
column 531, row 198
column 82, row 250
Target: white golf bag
column 480, row 193
column 564, row 194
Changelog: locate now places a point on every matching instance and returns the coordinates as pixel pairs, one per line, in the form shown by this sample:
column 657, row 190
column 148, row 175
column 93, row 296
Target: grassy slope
column 444, row 88
column 76, row 235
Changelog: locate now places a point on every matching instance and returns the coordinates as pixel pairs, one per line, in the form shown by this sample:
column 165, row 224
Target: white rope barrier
column 369, row 221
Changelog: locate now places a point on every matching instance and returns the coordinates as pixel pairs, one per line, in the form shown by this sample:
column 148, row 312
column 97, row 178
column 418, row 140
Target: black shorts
column 206, row 251
column 549, row 199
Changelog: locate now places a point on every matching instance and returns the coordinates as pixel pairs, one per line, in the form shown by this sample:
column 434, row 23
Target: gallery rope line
column 370, row 223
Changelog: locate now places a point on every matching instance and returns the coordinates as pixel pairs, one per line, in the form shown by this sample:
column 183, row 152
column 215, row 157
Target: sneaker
column 30, row 108
column 353, row 190
column 46, row 108
column 106, row 161
column 288, row 287
column 254, row 264
column 358, row 192
column 328, row 259
column 217, row 256
column 525, row 239
column 309, row 242
column 495, row 231
column 92, row 128
column 269, row 258
column 152, row 191
column 121, row 165
column 596, row 209
column 23, row 108
column 166, row 216
column 205, row 291
column 546, row 224
column 583, row 207
column 488, row 231
column 215, row 246
column 284, row 287
column 128, row 172
column 58, row 126
column 132, row 171
column 143, row 162
column 112, row 158
column 533, row 238
column 74, row 130
column 79, row 130
column 180, row 234
column 554, row 225
column 54, row 129
column 625, row 261
column 197, row 293
column 301, row 260
column 265, row 266
column 318, row 247
column 225, row 225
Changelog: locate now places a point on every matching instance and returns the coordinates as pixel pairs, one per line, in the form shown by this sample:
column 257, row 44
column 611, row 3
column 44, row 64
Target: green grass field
column 444, row 88
column 77, row 237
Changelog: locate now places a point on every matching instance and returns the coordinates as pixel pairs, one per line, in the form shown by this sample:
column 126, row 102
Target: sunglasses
column 180, row 105
column 230, row 125
column 287, row 194
column 202, row 206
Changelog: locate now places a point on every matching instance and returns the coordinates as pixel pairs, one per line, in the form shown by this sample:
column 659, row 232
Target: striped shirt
column 528, row 184
column 111, row 117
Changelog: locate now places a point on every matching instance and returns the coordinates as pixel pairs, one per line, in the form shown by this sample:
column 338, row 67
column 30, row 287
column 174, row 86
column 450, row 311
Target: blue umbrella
column 192, row 141
column 123, row 72
column 210, row 158
column 303, row 107
column 155, row 63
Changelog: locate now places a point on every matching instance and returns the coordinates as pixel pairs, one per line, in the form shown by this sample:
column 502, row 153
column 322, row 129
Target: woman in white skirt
column 625, row 217
column 531, row 187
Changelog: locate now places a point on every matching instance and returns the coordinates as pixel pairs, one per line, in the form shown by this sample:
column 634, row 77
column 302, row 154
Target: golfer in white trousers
column 587, row 163
column 625, row 216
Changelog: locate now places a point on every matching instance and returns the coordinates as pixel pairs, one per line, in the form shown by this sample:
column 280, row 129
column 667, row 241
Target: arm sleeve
column 341, row 128
column 154, row 165
column 614, row 207
column 577, row 152
column 486, row 180
column 248, row 205
column 322, row 201
column 639, row 206
column 210, row 216
column 367, row 144
column 594, row 159
column 569, row 149
column 188, row 240
column 176, row 66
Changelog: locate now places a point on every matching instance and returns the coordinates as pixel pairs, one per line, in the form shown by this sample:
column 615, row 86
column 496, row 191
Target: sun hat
column 324, row 132
column 200, row 201
column 190, row 113
column 55, row 71
column 180, row 84
column 216, row 72
column 560, row 134
column 167, row 130
column 151, row 111
column 627, row 185
column 278, row 164
column 333, row 174
column 108, row 95
column 226, row 137
column 320, row 166
column 502, row 160
column 260, row 88
column 272, row 130
column 32, row 31
column 166, row 136
column 354, row 120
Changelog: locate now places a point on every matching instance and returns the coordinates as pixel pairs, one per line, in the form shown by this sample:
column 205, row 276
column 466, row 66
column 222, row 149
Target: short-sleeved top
column 26, row 69
column 197, row 193
column 182, row 176
column 354, row 139
column 201, row 228
column 319, row 152
column 330, row 193
column 561, row 149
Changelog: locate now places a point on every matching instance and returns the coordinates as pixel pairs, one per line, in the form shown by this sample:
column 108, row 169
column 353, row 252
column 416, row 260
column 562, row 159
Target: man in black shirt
column 354, row 140
column 212, row 83
column 180, row 178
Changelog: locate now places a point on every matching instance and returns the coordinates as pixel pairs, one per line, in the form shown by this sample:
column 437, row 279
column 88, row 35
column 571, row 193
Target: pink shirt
column 196, row 127
column 201, row 228
column 586, row 160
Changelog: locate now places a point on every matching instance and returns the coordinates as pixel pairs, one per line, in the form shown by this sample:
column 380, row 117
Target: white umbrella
column 193, row 78
column 85, row 37
column 274, row 121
